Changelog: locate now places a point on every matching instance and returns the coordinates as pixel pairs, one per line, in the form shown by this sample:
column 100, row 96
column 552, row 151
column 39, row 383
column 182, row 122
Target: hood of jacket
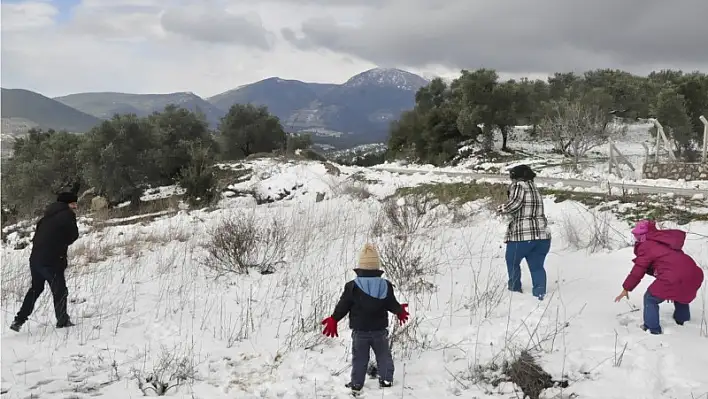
column 673, row 239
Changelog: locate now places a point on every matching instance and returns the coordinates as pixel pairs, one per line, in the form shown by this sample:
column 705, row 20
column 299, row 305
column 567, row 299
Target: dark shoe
column 354, row 388
column 385, row 384
column 63, row 324
column 15, row 326
column 680, row 323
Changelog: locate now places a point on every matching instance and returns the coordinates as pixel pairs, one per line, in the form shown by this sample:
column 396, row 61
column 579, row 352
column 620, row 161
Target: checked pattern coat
column 525, row 208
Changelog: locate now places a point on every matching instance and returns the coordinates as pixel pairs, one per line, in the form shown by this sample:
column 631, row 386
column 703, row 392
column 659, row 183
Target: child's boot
column 356, row 389
column 385, row 384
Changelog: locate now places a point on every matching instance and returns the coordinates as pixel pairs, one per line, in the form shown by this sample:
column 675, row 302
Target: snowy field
column 594, row 166
column 152, row 305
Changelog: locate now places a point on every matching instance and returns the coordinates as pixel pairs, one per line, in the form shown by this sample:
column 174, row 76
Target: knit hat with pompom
column 369, row 258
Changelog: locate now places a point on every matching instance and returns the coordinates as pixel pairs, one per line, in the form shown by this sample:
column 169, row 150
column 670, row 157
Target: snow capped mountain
column 387, row 77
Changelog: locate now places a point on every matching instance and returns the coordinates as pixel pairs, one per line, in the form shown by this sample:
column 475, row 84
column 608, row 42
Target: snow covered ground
column 593, row 167
column 147, row 303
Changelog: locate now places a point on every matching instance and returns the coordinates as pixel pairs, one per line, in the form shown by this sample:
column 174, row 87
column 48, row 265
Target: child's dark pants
column 378, row 341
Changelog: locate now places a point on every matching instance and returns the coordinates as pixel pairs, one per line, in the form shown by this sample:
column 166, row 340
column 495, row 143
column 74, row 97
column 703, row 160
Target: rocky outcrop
column 675, row 171
column 98, row 204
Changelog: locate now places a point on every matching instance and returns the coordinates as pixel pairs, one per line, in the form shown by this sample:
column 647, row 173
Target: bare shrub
column 521, row 369
column 404, row 216
column 306, row 330
column 233, row 327
column 406, row 253
column 89, row 251
column 169, row 372
column 14, row 282
column 526, row 373
column 594, row 234
column 354, row 190
column 407, row 339
column 488, row 292
column 240, row 243
column 619, row 353
column 578, row 126
column 407, row 262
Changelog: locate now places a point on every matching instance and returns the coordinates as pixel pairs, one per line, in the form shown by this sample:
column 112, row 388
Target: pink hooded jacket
column 659, row 253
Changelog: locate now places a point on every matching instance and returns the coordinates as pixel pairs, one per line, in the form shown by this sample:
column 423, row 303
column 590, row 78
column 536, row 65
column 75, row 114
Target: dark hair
column 522, row 172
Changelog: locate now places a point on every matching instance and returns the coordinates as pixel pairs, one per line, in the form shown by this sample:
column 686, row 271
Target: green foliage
column 247, row 129
column 123, row 156
column 176, row 130
column 120, row 157
column 297, row 142
column 670, row 110
column 43, row 164
column 198, row 177
column 477, row 104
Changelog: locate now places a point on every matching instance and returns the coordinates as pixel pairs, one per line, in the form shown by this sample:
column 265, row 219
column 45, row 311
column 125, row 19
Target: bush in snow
column 198, row 177
column 404, row 216
column 525, row 372
column 594, row 234
column 241, row 243
column 406, row 253
column 522, row 370
column 354, row 190
column 577, row 127
column 167, row 374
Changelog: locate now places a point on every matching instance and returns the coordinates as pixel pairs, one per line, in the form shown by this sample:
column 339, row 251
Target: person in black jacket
column 55, row 231
column 368, row 299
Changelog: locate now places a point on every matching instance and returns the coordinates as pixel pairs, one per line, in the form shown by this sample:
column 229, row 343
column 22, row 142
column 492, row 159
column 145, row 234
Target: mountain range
column 358, row 111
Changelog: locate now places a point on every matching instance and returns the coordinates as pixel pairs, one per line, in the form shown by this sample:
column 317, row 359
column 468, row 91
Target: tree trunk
column 135, row 200
column 488, row 139
column 505, row 137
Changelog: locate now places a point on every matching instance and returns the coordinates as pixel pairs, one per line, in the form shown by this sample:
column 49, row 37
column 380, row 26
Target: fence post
column 661, row 136
column 705, row 138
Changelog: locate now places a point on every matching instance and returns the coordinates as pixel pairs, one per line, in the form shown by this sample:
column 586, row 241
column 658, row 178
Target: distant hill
column 105, row 105
column 24, row 109
column 282, row 97
column 356, row 112
column 359, row 111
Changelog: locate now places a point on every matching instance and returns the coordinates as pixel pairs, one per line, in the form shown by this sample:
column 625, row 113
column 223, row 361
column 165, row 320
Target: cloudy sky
column 58, row 47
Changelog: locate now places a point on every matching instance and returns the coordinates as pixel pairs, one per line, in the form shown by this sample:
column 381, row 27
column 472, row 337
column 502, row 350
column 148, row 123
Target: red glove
column 403, row 316
column 330, row 327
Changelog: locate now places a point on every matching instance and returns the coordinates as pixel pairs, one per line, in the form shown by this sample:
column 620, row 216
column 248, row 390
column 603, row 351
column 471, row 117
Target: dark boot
column 356, row 390
column 385, row 384
column 66, row 323
column 15, row 326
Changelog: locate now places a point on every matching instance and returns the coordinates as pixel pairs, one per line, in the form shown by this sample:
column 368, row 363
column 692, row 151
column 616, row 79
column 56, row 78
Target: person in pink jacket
column 659, row 253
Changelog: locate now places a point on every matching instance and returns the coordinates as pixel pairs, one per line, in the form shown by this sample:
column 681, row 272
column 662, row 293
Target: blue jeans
column 535, row 252
column 682, row 313
column 362, row 341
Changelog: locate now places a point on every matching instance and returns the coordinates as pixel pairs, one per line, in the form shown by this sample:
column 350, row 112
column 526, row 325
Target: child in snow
column 368, row 299
column 659, row 253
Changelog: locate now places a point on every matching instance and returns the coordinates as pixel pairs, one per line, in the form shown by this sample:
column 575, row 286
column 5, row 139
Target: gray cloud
column 521, row 36
column 334, row 3
column 217, row 26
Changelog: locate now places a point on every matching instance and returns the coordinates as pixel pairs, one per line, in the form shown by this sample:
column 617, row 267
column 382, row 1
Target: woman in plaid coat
column 527, row 236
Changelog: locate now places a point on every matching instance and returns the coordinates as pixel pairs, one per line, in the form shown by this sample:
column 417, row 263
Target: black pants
column 57, row 283
column 362, row 343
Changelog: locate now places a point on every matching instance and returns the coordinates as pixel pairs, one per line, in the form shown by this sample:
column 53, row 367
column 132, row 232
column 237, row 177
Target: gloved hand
column 330, row 327
column 403, row 316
